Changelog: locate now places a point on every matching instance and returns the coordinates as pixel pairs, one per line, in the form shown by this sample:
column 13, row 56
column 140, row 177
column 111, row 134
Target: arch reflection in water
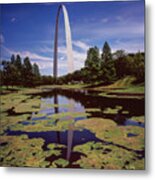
column 70, row 132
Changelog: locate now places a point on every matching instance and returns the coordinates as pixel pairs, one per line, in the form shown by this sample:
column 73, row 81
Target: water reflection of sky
column 64, row 105
column 130, row 122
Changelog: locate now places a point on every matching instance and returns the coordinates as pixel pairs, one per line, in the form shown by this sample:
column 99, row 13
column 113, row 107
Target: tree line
column 108, row 67
column 19, row 73
column 105, row 67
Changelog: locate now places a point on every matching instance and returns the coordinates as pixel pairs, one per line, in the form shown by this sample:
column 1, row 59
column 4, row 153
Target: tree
column 139, row 67
column 132, row 64
column 27, row 64
column 108, row 72
column 123, row 66
column 36, row 74
column 27, row 74
column 13, row 59
column 47, row 80
column 4, row 73
column 93, row 58
column 10, row 73
column 18, row 62
column 14, row 72
column 1, row 78
column 92, row 65
column 119, row 54
column 106, row 53
column 35, row 70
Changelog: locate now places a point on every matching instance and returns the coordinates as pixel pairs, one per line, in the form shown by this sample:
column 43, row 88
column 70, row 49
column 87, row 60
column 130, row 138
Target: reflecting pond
column 96, row 132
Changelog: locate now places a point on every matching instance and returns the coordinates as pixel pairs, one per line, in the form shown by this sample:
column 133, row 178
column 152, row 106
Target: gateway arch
column 63, row 9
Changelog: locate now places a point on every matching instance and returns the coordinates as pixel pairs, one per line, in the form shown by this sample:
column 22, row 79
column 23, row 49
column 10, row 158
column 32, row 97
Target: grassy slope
column 124, row 85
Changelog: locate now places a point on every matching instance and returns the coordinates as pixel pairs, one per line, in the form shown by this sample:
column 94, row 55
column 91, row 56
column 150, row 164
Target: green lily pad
column 108, row 130
column 100, row 156
column 140, row 119
column 60, row 163
column 93, row 110
column 22, row 151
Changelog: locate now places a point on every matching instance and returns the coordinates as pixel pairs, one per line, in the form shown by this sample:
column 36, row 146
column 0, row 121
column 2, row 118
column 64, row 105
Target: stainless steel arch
column 68, row 42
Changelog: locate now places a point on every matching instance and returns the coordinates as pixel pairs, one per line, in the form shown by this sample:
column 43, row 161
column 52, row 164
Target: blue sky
column 28, row 30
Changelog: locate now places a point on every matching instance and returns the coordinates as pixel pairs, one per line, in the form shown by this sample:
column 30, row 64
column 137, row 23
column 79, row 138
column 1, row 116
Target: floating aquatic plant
column 108, row 130
column 98, row 155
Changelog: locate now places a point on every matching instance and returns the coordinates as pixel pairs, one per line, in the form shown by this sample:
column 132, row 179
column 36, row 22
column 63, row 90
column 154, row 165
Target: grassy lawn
column 4, row 88
column 66, row 86
column 131, row 89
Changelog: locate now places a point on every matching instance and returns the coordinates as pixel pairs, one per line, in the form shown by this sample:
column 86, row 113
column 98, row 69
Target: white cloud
column 62, row 49
column 62, row 58
column 42, row 61
column 119, row 18
column 78, row 58
column 46, row 62
column 28, row 54
column 79, row 55
column 81, row 45
column 45, row 65
column 34, row 56
column 46, row 49
column 13, row 19
column 104, row 20
column 131, row 46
